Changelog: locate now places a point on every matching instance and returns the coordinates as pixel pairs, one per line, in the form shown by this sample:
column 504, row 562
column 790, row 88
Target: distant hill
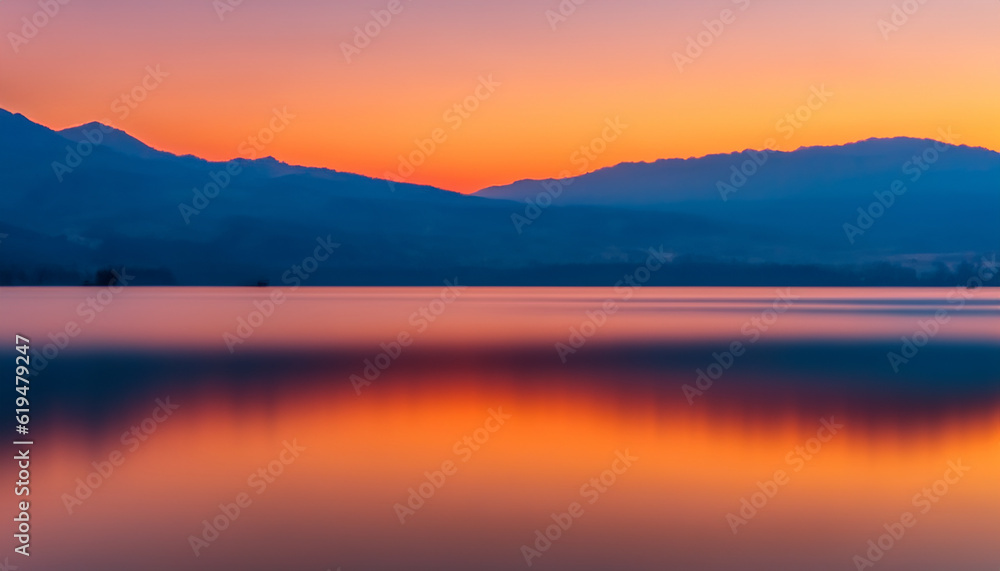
column 114, row 139
column 72, row 208
column 816, row 173
column 950, row 201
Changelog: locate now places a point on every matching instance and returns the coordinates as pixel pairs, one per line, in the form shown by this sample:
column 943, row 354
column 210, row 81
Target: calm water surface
column 453, row 428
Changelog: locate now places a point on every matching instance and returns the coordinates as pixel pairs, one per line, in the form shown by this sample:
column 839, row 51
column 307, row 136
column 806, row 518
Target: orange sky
column 557, row 87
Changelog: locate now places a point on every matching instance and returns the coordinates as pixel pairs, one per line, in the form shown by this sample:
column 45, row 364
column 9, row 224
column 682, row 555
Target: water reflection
column 321, row 470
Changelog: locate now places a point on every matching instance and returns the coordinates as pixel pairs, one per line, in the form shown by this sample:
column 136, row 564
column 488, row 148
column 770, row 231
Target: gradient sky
column 557, row 86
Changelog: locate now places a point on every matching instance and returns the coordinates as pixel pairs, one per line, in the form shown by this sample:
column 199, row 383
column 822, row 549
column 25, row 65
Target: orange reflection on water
column 334, row 504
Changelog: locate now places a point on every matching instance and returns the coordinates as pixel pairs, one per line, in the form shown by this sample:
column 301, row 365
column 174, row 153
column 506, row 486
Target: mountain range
column 878, row 212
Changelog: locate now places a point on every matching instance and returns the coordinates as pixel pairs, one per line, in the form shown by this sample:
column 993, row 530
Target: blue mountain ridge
column 127, row 204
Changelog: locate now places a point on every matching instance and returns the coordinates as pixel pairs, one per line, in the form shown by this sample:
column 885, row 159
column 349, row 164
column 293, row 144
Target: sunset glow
column 556, row 80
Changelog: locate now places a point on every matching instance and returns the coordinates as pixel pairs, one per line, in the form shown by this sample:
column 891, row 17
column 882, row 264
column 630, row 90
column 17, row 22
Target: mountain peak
column 115, row 139
column 96, row 125
column 15, row 118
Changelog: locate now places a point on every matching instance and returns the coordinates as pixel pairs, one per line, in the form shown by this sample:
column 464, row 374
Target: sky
column 543, row 88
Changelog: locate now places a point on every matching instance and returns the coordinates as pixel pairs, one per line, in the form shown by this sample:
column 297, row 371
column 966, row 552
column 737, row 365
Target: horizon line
column 503, row 184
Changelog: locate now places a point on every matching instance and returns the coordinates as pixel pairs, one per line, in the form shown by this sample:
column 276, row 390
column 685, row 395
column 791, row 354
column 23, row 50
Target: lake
column 508, row 428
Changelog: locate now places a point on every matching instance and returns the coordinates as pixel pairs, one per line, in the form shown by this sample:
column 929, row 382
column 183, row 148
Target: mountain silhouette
column 77, row 203
column 114, row 139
